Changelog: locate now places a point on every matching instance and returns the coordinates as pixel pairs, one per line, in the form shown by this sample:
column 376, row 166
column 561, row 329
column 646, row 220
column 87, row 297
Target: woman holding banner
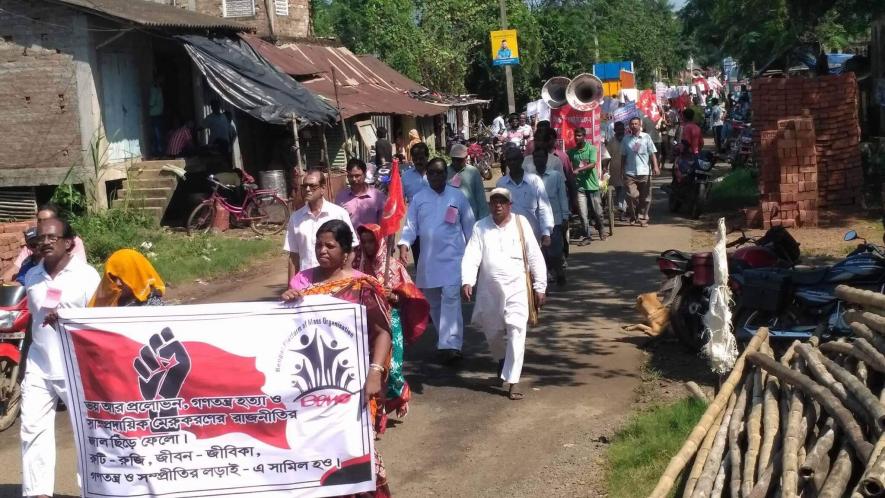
column 409, row 311
column 334, row 277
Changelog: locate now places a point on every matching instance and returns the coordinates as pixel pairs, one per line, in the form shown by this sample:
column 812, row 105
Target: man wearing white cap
column 468, row 179
column 500, row 249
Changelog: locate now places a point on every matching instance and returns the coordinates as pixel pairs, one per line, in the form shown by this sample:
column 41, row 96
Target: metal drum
column 274, row 180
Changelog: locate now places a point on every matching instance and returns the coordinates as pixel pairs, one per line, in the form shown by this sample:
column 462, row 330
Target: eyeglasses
column 311, row 186
column 51, row 238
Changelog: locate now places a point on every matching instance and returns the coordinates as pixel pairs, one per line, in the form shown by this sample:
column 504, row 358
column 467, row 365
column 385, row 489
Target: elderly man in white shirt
column 500, row 250
column 529, row 196
column 442, row 217
column 61, row 280
column 301, row 233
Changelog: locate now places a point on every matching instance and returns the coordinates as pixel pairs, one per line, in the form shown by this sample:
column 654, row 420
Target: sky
column 677, row 4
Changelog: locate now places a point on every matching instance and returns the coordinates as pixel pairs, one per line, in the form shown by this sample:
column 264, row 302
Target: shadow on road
column 15, row 491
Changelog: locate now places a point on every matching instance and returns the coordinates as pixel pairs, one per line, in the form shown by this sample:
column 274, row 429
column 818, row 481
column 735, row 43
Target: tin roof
column 363, row 86
column 154, row 15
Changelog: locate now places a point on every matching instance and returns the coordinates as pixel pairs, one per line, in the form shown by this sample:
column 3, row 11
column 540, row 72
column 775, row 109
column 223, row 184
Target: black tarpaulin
column 244, row 79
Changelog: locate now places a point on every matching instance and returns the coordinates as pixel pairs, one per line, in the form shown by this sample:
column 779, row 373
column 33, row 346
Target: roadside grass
column 738, row 189
column 640, row 451
column 177, row 257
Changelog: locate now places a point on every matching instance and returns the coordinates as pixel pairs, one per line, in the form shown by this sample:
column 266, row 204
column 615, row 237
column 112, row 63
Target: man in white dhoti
column 442, row 217
column 502, row 308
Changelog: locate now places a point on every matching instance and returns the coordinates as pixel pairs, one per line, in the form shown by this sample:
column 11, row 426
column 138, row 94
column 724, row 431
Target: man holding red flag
column 395, row 206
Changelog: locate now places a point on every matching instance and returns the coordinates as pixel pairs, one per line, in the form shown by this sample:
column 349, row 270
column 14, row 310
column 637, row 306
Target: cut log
column 763, row 485
column 817, row 461
column 863, row 331
column 694, row 440
column 858, row 390
column 823, row 376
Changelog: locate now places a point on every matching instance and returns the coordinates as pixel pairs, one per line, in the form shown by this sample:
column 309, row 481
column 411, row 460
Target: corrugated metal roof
column 361, row 87
column 391, row 75
column 155, row 15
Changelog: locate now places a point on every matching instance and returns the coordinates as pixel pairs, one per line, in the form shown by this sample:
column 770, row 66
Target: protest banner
column 220, row 399
column 505, row 51
column 647, row 103
column 625, row 113
column 565, row 119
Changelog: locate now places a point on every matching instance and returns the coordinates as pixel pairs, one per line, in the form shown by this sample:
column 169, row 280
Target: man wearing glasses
column 301, row 234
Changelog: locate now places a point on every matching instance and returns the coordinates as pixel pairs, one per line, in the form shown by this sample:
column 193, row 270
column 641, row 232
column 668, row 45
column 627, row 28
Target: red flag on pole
column 395, row 207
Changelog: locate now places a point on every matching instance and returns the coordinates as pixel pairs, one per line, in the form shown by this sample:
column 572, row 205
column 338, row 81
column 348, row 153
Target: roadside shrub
column 737, row 189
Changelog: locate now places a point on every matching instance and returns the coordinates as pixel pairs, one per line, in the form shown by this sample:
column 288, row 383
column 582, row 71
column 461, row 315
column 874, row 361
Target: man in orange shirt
column 691, row 132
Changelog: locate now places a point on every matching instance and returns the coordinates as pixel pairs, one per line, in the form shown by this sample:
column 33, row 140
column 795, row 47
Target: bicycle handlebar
column 211, row 179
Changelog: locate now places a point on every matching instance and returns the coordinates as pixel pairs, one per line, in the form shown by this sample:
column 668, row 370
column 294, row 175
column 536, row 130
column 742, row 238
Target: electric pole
column 508, row 71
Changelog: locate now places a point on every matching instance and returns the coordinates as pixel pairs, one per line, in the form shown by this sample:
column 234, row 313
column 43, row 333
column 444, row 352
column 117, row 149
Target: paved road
column 463, row 436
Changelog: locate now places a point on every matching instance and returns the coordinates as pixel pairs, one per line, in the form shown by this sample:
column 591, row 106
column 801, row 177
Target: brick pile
column 831, row 101
column 789, row 183
column 11, row 241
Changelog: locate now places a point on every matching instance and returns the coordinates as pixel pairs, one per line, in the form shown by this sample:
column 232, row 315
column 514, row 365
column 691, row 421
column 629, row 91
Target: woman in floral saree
column 334, row 277
column 410, row 312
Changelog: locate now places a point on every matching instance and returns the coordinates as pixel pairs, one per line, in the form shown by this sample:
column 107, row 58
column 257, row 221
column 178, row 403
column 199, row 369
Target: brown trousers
column 638, row 196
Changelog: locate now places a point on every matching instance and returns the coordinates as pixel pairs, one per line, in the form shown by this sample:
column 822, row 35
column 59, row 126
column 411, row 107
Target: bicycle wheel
column 610, row 204
column 200, row 220
column 267, row 214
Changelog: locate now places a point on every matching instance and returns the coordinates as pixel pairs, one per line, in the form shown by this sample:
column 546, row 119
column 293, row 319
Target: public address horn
column 584, row 92
column 553, row 92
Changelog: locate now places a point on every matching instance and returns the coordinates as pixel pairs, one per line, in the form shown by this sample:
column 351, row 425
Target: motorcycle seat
column 812, row 276
column 676, row 255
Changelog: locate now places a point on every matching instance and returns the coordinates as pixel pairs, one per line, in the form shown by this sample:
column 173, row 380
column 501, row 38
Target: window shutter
column 281, row 7
column 239, row 8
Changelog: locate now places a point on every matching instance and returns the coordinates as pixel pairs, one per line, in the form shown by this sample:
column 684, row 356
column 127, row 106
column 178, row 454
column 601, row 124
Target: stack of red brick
column 11, row 241
column 789, row 182
column 831, row 101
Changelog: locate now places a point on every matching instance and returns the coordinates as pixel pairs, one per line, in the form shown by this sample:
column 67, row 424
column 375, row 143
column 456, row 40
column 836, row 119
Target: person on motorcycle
column 691, row 132
column 517, row 132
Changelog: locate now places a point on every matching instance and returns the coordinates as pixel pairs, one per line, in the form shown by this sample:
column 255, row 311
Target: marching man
column 501, row 248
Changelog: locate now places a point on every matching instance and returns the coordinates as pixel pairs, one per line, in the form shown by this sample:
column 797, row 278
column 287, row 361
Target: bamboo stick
column 700, row 458
column 689, row 447
column 704, row 486
column 863, row 331
column 792, row 443
column 867, row 399
column 754, row 433
column 873, row 483
column 719, row 485
column 867, row 465
column 822, row 395
column 874, row 321
column 825, row 378
column 770, row 422
column 839, row 476
column 763, row 485
column 861, row 372
column 695, row 390
column 860, row 349
column 860, row 296
column 812, row 467
column 735, row 428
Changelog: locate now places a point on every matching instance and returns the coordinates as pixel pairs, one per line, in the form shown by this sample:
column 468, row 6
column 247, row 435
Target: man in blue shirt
column 640, row 162
column 504, row 51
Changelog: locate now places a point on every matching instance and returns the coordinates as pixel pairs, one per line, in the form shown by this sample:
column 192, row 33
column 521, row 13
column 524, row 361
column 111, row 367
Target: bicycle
column 264, row 210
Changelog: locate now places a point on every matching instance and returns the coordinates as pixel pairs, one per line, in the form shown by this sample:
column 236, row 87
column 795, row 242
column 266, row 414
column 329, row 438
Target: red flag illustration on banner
column 648, row 105
column 115, row 378
column 395, row 207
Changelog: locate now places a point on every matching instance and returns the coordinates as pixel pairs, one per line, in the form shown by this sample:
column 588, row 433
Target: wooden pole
column 341, row 119
column 297, row 146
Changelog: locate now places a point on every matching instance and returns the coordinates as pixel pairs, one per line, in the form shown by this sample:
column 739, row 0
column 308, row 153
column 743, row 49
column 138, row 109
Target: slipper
column 514, row 395
column 584, row 242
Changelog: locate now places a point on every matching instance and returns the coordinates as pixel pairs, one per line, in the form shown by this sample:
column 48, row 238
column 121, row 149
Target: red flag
column 395, row 207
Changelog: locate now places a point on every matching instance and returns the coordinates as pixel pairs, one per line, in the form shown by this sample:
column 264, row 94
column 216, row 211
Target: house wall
column 293, row 25
column 40, row 136
column 877, row 67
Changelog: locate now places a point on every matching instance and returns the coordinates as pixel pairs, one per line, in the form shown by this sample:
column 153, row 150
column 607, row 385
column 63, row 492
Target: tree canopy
column 444, row 44
column 723, row 27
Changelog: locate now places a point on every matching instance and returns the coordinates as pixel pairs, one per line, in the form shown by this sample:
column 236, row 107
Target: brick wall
column 294, row 25
column 11, row 241
column 831, row 102
column 39, row 124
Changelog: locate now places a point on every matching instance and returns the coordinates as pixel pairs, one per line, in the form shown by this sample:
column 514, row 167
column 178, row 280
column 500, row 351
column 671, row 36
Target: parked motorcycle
column 740, row 145
column 692, row 180
column 14, row 326
column 796, row 304
column 689, row 277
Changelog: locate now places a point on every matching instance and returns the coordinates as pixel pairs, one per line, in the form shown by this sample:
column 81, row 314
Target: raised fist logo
column 162, row 366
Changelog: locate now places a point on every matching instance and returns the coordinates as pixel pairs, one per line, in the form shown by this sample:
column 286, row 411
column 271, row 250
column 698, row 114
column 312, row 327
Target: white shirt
column 77, row 282
column 301, row 234
column 494, row 252
column 530, row 200
column 498, row 125
column 442, row 243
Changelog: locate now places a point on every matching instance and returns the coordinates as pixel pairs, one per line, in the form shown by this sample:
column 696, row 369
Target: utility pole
column 508, row 72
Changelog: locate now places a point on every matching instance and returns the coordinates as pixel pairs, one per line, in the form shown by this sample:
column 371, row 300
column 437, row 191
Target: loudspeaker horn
column 585, row 92
column 553, row 92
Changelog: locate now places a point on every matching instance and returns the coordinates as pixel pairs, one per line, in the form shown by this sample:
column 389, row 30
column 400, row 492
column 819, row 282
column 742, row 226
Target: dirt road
column 463, row 437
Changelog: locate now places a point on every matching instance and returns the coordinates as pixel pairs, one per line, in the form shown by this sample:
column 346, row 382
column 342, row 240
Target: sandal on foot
column 514, row 395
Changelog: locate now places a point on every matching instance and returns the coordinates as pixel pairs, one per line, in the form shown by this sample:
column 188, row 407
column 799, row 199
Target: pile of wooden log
column 810, row 423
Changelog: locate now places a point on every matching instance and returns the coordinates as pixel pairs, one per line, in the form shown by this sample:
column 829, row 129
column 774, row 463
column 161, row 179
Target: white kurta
column 494, row 253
